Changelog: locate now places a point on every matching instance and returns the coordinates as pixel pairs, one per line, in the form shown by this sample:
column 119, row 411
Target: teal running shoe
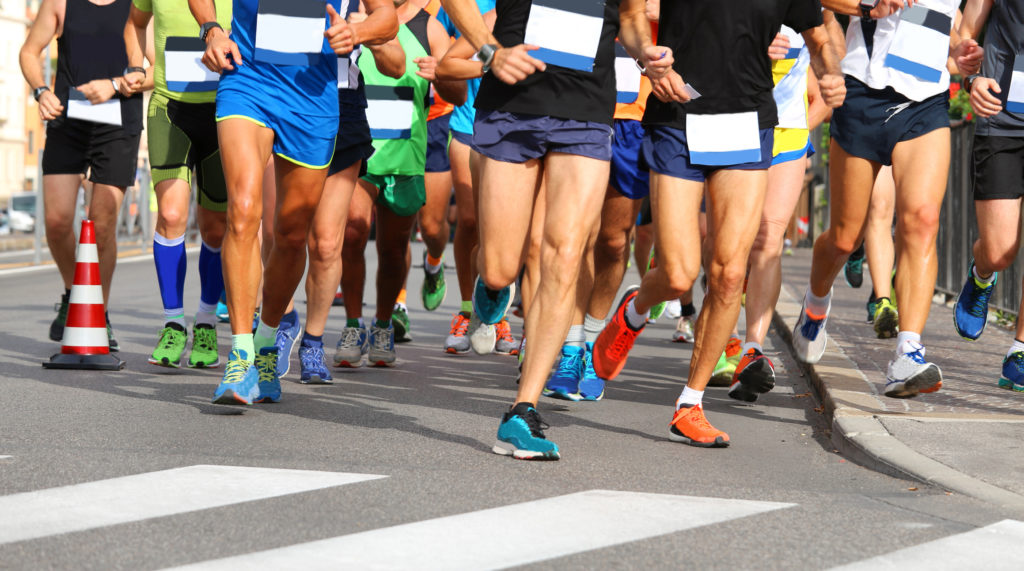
column 564, row 383
column 1013, row 372
column 490, row 306
column 521, row 435
column 240, row 382
column 591, row 386
column 269, row 383
column 222, row 309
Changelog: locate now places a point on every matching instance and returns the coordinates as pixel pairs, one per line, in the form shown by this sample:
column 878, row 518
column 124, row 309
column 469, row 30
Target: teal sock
column 244, row 343
column 265, row 336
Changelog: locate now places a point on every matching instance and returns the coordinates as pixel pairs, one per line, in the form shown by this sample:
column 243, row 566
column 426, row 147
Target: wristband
column 134, row 68
column 866, row 6
column 206, row 28
column 114, row 83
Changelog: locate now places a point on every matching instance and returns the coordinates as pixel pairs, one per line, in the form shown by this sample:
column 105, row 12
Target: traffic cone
column 85, row 344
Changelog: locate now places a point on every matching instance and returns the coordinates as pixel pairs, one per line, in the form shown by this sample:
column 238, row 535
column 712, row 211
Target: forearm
column 31, row 69
column 203, row 10
column 135, row 43
column 452, row 69
column 835, row 34
column 380, row 25
column 634, row 28
column 467, row 18
column 824, row 59
column 453, row 92
column 848, row 7
column 974, row 17
column 389, row 58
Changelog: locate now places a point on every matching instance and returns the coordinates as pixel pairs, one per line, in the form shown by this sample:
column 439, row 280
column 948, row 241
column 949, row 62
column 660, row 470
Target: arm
column 136, row 45
column 825, row 63
column 39, row 35
column 458, row 62
column 451, row 91
column 852, row 7
column 974, row 17
column 965, row 53
column 379, row 26
column 835, row 33
column 221, row 51
column 389, row 58
column 817, row 111
column 509, row 64
column 983, row 90
column 467, row 18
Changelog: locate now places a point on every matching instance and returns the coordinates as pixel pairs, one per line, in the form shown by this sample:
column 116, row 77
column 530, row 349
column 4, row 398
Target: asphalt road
column 392, row 468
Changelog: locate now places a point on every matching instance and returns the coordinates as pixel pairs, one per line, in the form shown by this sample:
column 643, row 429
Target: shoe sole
column 887, row 324
column 349, row 364
column 757, row 380
column 232, row 398
column 562, row 395
column 927, row 381
column 203, row 365
column 722, row 378
column 165, row 362
column 455, row 351
column 1009, row 385
column 381, row 362
column 505, row 449
column 718, row 443
column 266, row 400
column 681, row 339
column 316, row 380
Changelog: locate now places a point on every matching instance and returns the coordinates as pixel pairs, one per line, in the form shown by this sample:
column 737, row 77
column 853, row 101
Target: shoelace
column 570, row 365
column 811, row 326
column 856, row 265
column 916, row 356
column 535, row 423
column 204, row 338
column 350, row 337
column 312, row 358
column 433, row 281
column 979, row 305
column 504, row 331
column 235, row 370
column 381, row 339
column 267, row 367
column 1017, row 358
column 460, row 325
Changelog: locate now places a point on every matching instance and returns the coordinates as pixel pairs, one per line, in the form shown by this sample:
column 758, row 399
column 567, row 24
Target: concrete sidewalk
column 967, row 438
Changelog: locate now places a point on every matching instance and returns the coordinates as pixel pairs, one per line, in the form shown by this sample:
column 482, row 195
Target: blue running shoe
column 591, row 385
column 240, row 382
column 564, row 383
column 269, row 383
column 288, row 332
column 490, row 306
column 521, row 435
column 1013, row 372
column 313, row 364
column 971, row 310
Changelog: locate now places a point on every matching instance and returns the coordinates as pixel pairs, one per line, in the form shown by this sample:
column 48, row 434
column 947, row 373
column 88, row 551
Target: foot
column 505, row 343
column 354, row 343
column 240, row 384
column 434, row 289
column 853, row 271
column 170, row 347
column 1013, row 372
column 616, row 340
column 490, row 306
column 482, row 337
column 222, row 312
column 673, row 309
column 971, row 310
column 591, row 385
column 521, row 435
column 909, row 374
column 684, row 330
column 269, row 382
column 872, row 305
column 564, row 383
column 400, row 321
column 753, row 376
column 57, row 325
column 809, row 337
column 458, row 337
column 288, row 332
column 313, row 364
column 689, row 426
column 111, row 340
column 204, row 353
column 382, row 346
column 721, row 376
column 886, row 319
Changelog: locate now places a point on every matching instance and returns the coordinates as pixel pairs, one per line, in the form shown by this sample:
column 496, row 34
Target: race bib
column 723, row 139
column 290, row 32
column 920, row 45
column 567, row 32
column 796, row 42
column 1015, row 96
column 183, row 66
column 108, row 112
column 627, row 76
column 389, row 111
column 348, row 71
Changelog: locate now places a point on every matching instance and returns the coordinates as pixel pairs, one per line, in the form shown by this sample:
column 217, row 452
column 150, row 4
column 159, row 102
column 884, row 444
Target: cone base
column 88, row 362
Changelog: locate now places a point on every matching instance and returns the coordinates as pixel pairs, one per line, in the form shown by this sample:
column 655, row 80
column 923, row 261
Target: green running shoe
column 204, row 347
column 722, row 375
column 434, row 289
column 658, row 308
column 400, row 319
column 170, row 347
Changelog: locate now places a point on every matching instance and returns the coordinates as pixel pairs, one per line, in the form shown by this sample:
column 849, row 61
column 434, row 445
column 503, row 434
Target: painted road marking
column 996, row 546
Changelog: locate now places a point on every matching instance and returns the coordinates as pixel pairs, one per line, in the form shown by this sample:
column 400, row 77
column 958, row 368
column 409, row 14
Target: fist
column 833, row 90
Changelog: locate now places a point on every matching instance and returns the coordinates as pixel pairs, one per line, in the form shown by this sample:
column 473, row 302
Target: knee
column 243, row 217
column 727, row 279
column 612, row 246
column 768, row 242
column 212, row 233
column 845, row 243
column 997, row 257
column 680, row 278
column 173, row 220
column 323, row 248
column 57, row 222
column 466, row 223
column 921, row 222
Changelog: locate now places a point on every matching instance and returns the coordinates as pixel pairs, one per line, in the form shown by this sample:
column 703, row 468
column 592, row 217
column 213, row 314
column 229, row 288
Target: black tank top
column 92, row 47
column 418, row 26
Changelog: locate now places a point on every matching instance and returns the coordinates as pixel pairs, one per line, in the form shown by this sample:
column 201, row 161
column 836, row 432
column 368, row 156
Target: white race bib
column 796, row 42
column 627, row 76
column 348, row 71
column 723, row 139
column 108, row 112
column 183, row 66
column 567, row 32
column 290, row 32
column 389, row 111
column 920, row 45
column 1015, row 96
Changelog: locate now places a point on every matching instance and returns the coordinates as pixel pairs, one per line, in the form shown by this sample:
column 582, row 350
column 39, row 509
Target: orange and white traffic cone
column 85, row 344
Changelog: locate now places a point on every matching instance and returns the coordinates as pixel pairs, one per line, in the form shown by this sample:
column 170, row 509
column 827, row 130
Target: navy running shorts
column 665, row 152
column 518, row 137
column 353, row 142
column 626, row 175
column 464, row 138
column 437, row 144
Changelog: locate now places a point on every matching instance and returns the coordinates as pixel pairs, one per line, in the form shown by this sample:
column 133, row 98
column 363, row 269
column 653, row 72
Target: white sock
column 592, row 327
column 689, row 397
column 176, row 315
column 981, row 280
column 576, row 338
column 908, row 342
column 265, row 336
column 752, row 345
column 1017, row 346
column 633, row 318
column 206, row 313
column 817, row 305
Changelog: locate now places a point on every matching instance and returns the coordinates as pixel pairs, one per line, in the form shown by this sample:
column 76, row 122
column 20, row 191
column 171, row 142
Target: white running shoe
column 673, row 309
column 809, row 337
column 909, row 375
column 684, row 330
column 482, row 337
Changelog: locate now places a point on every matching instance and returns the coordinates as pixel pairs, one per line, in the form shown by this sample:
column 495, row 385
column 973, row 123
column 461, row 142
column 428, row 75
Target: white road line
column 512, row 535
column 79, row 507
column 993, row 547
column 5, row 457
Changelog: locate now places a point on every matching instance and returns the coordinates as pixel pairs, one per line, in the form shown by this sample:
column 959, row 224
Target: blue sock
column 169, row 257
column 312, row 340
column 211, row 279
column 290, row 319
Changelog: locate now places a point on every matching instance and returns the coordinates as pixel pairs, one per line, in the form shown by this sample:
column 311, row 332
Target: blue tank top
column 463, row 115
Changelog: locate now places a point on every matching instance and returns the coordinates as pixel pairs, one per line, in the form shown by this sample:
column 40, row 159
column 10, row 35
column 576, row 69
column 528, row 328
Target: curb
column 859, row 434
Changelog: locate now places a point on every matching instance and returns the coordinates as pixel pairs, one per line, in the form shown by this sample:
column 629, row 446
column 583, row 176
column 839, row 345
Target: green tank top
column 397, row 108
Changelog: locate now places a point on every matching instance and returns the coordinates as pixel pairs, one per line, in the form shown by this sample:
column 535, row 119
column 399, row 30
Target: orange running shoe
column 505, row 343
column 733, row 349
column 690, row 427
column 614, row 343
column 458, row 340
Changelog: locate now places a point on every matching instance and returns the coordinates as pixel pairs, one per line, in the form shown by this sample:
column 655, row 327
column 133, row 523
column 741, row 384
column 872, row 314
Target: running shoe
column 909, row 374
column 853, row 271
column 809, row 337
column 505, row 343
column 288, row 331
column 313, row 364
column 656, row 311
column 971, row 310
column 57, row 325
column 458, row 338
column 354, row 343
column 616, row 340
column 734, row 350
column 871, row 305
column 886, row 319
column 591, row 385
column 721, row 376
column 170, row 347
column 684, row 330
column 240, row 384
column 673, row 309
column 400, row 321
column 434, row 289
column 482, row 337
column 222, row 309
column 269, row 382
column 689, row 426
column 111, row 340
column 382, row 346
column 204, row 347
column 490, row 306
column 521, row 435
column 1013, row 372
column 564, row 383
column 753, row 376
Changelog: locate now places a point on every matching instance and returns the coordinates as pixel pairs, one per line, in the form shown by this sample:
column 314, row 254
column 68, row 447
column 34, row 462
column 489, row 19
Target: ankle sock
column 244, row 343
column 265, row 336
column 688, row 398
column 576, row 337
column 981, row 280
column 634, row 319
column 752, row 345
column 689, row 310
column 817, row 305
column 1018, row 345
column 592, row 327
column 907, row 342
column 432, row 264
column 355, row 322
column 312, row 340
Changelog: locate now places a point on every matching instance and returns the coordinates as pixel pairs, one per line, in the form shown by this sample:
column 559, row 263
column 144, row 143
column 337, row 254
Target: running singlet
column 179, row 71
column 397, row 111
column 351, row 94
column 577, row 40
column 463, row 115
column 790, row 77
column 632, row 87
column 1004, row 62
column 438, row 106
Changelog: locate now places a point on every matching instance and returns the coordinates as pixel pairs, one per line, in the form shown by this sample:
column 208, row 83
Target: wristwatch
column 866, row 6
column 205, row 29
column 486, row 55
column 38, row 92
column 133, row 69
column 969, row 82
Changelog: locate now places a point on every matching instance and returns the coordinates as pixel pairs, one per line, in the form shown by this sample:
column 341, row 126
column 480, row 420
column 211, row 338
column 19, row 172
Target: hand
column 428, row 67
column 657, row 61
column 220, row 51
column 670, row 88
column 968, row 55
column 984, row 103
column 515, row 64
column 887, row 7
column 833, row 89
column 49, row 106
column 97, row 90
column 340, row 35
column 779, row 47
column 132, row 83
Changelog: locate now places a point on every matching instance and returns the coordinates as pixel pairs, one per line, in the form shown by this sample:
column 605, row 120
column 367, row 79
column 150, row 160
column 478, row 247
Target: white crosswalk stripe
column 993, row 547
column 507, row 536
column 90, row 505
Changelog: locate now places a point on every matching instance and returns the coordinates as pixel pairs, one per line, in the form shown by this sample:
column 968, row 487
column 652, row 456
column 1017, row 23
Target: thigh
column 852, row 179
column 920, row 168
column 299, row 189
column 507, row 192
column 735, row 202
column 60, row 195
column 576, row 186
column 462, row 179
column 332, row 212
column 998, row 223
column 675, row 208
column 785, row 181
column 245, row 159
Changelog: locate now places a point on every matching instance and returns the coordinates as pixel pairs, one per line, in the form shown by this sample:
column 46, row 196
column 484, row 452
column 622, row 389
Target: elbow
column 395, row 71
